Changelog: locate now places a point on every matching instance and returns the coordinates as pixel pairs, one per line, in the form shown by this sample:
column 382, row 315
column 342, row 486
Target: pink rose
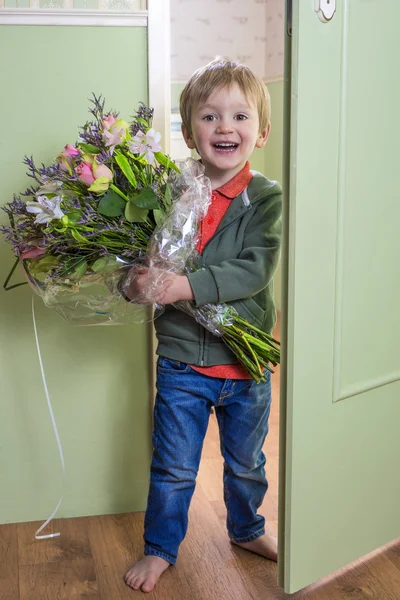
column 101, row 171
column 84, row 171
column 66, row 157
column 70, row 151
column 108, row 122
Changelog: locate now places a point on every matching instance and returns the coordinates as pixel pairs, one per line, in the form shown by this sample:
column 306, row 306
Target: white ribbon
column 50, row 535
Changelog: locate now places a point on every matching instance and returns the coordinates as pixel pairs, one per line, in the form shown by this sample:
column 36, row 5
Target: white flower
column 46, row 210
column 113, row 138
column 146, row 144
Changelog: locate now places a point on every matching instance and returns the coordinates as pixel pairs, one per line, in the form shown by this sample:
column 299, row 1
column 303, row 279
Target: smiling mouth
column 225, row 147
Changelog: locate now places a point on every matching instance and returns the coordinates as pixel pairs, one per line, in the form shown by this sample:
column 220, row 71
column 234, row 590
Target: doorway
column 252, row 34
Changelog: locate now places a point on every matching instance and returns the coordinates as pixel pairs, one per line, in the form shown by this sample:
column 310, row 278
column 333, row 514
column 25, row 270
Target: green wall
column 98, row 377
column 268, row 160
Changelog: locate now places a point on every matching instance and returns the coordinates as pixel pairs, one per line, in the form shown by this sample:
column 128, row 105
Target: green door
column 340, row 475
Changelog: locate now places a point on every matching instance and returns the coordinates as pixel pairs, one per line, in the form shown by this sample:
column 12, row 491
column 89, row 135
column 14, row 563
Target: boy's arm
column 255, row 266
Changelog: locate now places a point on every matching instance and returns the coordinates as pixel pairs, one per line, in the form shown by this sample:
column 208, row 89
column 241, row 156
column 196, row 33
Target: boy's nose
column 224, row 128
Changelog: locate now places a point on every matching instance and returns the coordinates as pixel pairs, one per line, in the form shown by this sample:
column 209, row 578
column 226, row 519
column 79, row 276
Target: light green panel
column 98, row 377
column 368, row 174
column 267, row 160
column 342, row 477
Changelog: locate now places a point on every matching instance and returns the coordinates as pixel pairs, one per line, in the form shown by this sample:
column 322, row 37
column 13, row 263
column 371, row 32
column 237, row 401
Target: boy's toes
column 130, row 581
column 133, row 580
column 149, row 584
column 135, row 583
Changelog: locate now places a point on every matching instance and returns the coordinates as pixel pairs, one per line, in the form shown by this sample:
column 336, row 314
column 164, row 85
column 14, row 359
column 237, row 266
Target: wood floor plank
column 9, row 572
column 116, row 542
column 65, row 580
column 263, row 575
column 208, row 558
column 71, row 544
column 375, row 577
column 393, row 553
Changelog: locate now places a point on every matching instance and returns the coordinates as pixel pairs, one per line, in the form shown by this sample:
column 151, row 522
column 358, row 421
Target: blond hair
column 221, row 73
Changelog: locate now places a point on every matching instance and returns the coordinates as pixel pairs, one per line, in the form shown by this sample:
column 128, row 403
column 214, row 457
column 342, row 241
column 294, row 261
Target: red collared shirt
column 220, row 201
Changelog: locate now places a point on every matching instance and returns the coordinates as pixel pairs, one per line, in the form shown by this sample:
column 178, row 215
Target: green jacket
column 238, row 265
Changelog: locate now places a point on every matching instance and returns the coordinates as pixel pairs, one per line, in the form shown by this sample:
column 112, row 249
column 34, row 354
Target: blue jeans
column 181, row 414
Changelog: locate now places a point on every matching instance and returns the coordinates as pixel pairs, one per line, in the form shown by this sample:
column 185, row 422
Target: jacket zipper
column 203, row 335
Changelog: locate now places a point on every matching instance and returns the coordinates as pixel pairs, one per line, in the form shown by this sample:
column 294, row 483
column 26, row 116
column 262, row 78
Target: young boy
column 225, row 111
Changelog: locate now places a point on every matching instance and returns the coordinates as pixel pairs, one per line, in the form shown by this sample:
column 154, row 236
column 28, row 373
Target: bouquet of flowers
column 90, row 214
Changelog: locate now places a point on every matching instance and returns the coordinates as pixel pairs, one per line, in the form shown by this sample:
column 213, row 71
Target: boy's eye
column 209, row 118
column 241, row 117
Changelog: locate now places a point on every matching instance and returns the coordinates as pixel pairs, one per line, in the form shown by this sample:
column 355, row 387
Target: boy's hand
column 139, row 285
column 174, row 288
column 168, row 289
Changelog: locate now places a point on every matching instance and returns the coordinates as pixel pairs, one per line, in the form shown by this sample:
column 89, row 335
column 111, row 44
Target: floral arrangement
column 91, row 212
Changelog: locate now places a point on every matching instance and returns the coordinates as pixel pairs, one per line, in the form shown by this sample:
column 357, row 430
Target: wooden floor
column 90, row 557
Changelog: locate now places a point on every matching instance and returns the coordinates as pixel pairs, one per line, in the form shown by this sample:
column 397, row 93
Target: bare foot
column 266, row 545
column 144, row 574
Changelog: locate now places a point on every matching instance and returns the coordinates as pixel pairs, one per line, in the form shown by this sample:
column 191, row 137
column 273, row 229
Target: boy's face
column 225, row 131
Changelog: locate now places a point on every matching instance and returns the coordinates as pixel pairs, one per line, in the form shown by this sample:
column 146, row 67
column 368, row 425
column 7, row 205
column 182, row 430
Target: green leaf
column 168, row 195
column 79, row 271
column 99, row 185
column 166, row 161
column 78, row 237
column 142, row 121
column 74, row 215
column 133, row 214
column 44, row 265
column 105, row 264
column 111, row 205
column 118, row 191
column 158, row 215
column 89, row 148
column 126, row 168
column 146, row 199
column 137, row 158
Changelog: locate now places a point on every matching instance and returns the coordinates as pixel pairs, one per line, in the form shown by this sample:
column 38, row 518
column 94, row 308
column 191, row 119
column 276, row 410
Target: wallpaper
column 250, row 31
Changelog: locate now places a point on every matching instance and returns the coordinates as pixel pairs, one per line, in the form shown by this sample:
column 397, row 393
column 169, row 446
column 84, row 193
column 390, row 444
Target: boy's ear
column 263, row 136
column 190, row 143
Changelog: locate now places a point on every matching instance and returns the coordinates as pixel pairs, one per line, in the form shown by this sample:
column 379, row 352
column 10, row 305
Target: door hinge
column 289, row 13
column 325, row 9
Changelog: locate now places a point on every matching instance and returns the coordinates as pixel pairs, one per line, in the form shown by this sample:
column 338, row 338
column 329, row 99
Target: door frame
column 285, row 317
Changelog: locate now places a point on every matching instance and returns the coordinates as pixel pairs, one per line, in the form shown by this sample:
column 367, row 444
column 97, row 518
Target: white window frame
column 152, row 14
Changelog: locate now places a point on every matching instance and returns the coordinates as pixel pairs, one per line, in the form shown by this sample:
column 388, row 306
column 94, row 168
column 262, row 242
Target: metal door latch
column 325, row 9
